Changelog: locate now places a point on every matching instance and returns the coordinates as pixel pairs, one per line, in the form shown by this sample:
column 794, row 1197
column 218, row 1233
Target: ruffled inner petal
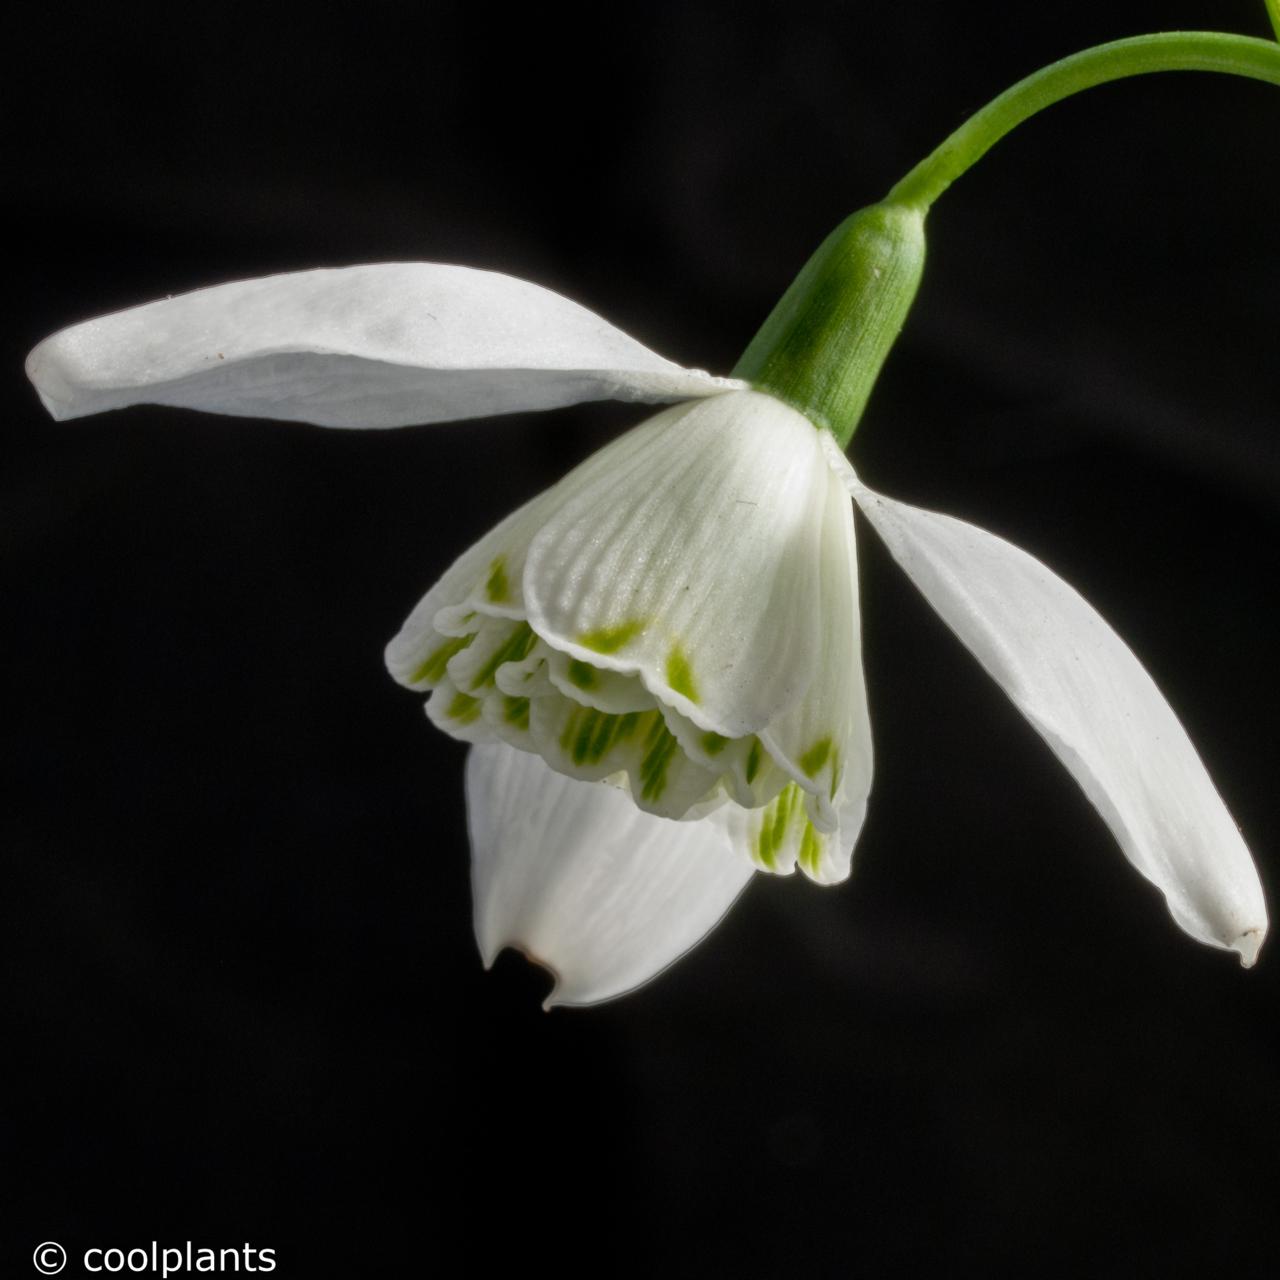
column 483, row 582
column 581, row 742
column 595, row 687
column 823, row 741
column 780, row 836
column 752, row 563
column 684, row 553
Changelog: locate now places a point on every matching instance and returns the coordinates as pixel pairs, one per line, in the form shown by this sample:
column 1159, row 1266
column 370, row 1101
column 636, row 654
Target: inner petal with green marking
column 590, row 744
column 491, row 676
column 782, row 835
column 502, row 681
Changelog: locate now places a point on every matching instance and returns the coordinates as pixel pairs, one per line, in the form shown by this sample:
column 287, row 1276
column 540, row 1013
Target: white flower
column 677, row 617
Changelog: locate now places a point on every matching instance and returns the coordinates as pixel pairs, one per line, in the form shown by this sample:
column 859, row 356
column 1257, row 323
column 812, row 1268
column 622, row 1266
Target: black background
column 243, row 999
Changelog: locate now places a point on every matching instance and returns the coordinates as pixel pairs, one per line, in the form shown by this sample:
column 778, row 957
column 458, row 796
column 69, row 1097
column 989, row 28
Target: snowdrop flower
column 658, row 660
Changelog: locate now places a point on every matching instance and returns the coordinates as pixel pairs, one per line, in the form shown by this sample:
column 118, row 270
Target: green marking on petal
column 611, row 639
column 661, row 749
column 680, row 674
column 589, row 735
column 464, row 708
column 569, row 731
column 604, row 737
column 775, row 821
column 515, row 711
column 496, row 587
column 810, row 848
column 583, row 674
column 514, row 649
column 432, row 669
column 835, row 773
column 782, row 814
column 591, row 740
column 713, row 744
column 812, row 760
column 754, row 760
column 627, row 725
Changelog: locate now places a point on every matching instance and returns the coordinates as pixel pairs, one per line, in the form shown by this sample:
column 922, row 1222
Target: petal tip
column 41, row 368
column 1247, row 946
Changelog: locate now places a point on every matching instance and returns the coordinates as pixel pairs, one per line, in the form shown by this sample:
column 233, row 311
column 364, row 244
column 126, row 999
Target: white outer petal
column 574, row 875
column 385, row 345
column 1091, row 700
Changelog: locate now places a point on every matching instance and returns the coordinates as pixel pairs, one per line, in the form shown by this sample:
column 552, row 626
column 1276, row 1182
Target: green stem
column 1273, row 12
column 822, row 347
column 1141, row 55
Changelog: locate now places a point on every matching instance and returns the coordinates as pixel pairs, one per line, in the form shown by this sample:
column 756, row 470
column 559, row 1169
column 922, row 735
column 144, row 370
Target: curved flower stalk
column 658, row 659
